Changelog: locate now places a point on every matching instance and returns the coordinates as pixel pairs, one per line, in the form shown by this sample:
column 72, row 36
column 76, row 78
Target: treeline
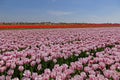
column 51, row 23
column 27, row 23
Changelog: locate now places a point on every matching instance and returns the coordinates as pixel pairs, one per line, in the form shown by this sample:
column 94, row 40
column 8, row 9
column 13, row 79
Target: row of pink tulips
column 60, row 54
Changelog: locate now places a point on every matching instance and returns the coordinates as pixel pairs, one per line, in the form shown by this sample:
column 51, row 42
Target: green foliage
column 107, row 66
column 51, row 79
column 100, row 49
column 118, row 70
column 110, row 46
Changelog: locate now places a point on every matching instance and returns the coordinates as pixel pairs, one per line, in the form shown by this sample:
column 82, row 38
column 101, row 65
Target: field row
column 45, row 26
column 60, row 54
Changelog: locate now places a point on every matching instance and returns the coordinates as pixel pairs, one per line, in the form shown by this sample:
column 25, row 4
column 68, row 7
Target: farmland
column 54, row 25
column 60, row 54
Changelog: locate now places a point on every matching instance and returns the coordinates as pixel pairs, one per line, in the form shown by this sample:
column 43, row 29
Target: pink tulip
column 33, row 63
column 95, row 66
column 2, row 77
column 8, row 77
column 87, row 69
column 34, row 75
column 15, row 79
column 13, row 66
column 38, row 61
column 107, row 74
column 1, row 62
column 39, row 67
column 10, row 72
column 27, row 73
column 20, row 68
column 2, row 69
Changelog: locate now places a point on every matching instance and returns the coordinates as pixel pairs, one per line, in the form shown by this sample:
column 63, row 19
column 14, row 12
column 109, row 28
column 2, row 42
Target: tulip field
column 60, row 54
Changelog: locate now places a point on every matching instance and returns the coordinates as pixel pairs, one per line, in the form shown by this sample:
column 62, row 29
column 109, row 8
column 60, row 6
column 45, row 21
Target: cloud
column 59, row 13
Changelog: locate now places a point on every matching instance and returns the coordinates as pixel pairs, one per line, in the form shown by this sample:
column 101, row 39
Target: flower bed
column 60, row 54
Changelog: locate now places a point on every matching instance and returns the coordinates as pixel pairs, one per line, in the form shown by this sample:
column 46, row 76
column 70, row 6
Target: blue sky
column 83, row 11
